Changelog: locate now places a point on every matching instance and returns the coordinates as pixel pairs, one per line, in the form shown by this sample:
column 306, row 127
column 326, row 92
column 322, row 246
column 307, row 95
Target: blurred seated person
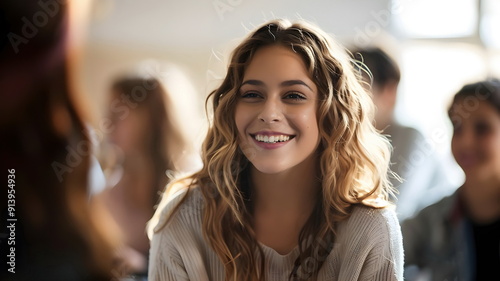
column 422, row 180
column 458, row 238
column 151, row 146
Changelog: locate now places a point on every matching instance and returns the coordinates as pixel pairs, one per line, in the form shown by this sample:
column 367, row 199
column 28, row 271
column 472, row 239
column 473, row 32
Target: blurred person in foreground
column 458, row 238
column 422, row 179
column 58, row 234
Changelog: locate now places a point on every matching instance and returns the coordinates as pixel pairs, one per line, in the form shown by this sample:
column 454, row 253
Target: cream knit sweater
column 368, row 246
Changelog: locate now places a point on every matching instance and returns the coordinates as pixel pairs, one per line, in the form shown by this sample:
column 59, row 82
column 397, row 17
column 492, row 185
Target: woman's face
column 276, row 111
column 476, row 139
column 130, row 129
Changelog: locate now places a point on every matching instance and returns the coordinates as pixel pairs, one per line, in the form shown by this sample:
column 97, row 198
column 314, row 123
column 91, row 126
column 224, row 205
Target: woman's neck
column 282, row 205
column 482, row 200
column 292, row 191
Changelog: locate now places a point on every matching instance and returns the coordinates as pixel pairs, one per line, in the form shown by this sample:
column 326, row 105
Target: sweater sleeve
column 178, row 250
column 384, row 261
column 165, row 263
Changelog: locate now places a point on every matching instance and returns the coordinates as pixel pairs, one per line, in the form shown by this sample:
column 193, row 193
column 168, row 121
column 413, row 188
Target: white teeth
column 272, row 139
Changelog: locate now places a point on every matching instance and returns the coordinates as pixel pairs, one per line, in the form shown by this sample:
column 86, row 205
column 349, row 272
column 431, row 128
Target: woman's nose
column 271, row 112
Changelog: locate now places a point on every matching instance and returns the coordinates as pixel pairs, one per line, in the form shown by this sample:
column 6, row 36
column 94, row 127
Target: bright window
column 435, row 18
column 490, row 23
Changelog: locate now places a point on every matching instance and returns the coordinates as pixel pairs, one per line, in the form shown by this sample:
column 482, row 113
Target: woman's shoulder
column 177, row 238
column 370, row 222
column 375, row 236
column 374, row 233
column 182, row 207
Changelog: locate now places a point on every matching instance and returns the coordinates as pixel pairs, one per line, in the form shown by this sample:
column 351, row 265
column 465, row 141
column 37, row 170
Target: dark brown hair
column 59, row 234
column 486, row 90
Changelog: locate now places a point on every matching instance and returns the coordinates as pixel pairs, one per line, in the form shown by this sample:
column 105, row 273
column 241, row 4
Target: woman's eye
column 295, row 96
column 250, row 95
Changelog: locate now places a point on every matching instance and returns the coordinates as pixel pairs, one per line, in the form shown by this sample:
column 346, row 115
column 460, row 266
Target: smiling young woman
column 294, row 176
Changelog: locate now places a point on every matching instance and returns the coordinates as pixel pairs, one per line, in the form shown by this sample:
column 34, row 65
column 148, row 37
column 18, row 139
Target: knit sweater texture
column 368, row 246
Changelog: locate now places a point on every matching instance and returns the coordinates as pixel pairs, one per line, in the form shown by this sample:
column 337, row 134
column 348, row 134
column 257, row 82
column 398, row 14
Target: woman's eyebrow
column 253, row 82
column 294, row 82
column 286, row 83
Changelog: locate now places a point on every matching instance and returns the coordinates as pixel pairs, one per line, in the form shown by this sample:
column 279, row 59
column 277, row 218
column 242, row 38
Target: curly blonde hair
column 354, row 156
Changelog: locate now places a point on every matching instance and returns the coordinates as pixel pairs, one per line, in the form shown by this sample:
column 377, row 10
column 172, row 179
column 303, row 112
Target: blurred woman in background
column 151, row 146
